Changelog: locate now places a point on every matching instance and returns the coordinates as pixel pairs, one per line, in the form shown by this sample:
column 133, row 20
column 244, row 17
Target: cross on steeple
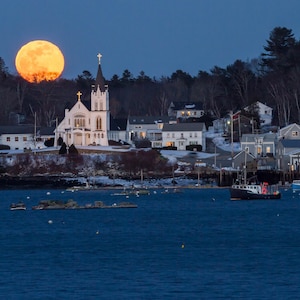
column 99, row 57
column 78, row 95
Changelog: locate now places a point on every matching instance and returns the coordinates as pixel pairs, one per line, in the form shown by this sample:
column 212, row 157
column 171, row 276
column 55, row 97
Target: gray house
column 259, row 145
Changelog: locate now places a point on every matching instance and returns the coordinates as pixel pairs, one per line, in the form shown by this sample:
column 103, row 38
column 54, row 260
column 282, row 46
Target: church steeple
column 99, row 79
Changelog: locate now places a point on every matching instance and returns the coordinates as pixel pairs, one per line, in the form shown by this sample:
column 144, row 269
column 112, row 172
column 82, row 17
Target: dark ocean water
column 192, row 245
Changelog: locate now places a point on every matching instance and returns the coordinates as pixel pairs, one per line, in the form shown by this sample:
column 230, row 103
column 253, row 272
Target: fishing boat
column 253, row 191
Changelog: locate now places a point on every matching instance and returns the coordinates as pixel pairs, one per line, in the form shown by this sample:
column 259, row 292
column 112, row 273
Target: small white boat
column 17, row 206
column 296, row 185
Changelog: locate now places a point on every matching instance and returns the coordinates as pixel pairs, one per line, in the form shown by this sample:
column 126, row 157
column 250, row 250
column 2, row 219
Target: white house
column 265, row 112
column 87, row 123
column 25, row 137
column 184, row 110
column 181, row 135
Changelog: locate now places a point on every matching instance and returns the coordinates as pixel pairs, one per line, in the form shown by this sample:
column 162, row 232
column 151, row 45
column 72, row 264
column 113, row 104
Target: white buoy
column 50, row 221
column 48, row 193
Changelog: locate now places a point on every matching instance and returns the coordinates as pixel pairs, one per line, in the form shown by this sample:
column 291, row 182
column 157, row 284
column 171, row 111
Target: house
column 185, row 110
column 25, row 137
column 181, row 135
column 290, row 132
column 259, row 145
column 288, row 154
column 265, row 112
column 87, row 123
column 288, row 148
column 243, row 158
column 147, row 127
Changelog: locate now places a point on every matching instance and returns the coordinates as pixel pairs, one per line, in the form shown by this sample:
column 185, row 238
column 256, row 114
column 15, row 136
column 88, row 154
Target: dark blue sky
column 157, row 36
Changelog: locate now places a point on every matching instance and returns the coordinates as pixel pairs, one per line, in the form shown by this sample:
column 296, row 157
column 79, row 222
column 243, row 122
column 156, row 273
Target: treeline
column 272, row 78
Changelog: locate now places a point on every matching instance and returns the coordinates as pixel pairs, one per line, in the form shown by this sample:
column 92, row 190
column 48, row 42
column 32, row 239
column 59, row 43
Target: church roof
column 100, row 80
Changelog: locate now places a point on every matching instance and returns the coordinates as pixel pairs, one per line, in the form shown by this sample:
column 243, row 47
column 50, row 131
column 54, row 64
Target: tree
column 241, row 77
column 280, row 42
column 84, row 83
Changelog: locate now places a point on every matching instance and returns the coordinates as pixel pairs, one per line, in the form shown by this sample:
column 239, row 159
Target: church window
column 102, row 135
column 79, row 121
column 96, row 106
column 89, row 121
column 98, row 123
column 101, row 105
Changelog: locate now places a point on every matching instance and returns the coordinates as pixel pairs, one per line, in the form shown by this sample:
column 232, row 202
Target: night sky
column 157, row 36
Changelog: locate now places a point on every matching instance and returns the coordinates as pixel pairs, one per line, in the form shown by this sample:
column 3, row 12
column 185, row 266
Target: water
column 194, row 245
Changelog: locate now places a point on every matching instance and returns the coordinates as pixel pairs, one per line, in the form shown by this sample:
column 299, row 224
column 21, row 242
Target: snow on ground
column 221, row 143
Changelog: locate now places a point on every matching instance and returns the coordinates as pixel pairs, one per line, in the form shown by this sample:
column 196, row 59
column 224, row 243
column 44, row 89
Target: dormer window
column 295, row 133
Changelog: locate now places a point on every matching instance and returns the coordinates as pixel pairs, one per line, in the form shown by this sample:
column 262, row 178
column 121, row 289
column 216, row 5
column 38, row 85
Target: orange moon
column 39, row 60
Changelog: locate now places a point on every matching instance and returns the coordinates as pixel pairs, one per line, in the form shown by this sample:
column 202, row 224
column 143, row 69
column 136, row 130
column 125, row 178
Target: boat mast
column 245, row 164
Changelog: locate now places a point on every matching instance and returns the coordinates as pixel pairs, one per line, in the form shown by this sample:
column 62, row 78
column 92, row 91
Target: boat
column 17, row 206
column 252, row 191
column 295, row 185
column 132, row 192
column 249, row 190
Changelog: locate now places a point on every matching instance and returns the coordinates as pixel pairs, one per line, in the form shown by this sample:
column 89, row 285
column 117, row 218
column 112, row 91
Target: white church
column 82, row 125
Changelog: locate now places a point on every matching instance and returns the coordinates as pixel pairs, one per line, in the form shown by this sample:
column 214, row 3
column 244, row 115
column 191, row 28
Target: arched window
column 98, row 123
column 79, row 121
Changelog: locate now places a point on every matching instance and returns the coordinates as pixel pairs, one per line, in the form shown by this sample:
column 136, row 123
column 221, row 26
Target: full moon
column 39, row 60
